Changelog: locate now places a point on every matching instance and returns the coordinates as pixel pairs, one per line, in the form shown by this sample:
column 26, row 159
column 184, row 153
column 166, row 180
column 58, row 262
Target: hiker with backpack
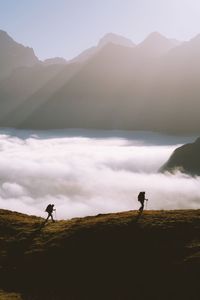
column 50, row 208
column 141, row 199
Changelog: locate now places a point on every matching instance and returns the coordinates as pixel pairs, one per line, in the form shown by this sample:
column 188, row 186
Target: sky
column 67, row 27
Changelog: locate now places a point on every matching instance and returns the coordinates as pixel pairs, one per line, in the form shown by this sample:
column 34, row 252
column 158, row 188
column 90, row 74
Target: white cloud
column 86, row 176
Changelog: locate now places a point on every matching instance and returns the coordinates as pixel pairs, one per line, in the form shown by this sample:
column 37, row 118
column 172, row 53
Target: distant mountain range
column 114, row 85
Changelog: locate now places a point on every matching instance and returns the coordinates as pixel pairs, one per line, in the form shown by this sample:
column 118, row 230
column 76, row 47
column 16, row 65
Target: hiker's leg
column 47, row 218
column 52, row 218
column 141, row 207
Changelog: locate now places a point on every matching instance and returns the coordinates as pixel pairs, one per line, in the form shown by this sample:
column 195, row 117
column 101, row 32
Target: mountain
column 28, row 88
column 85, row 55
column 55, row 61
column 88, row 99
column 14, row 55
column 185, row 158
column 156, row 45
column 175, row 95
column 109, row 38
column 20, row 85
column 115, row 39
column 152, row 86
column 111, row 91
column 107, row 257
column 29, row 82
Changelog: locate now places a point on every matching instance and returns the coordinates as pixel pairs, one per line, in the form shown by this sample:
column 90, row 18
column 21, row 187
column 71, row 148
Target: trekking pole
column 146, row 203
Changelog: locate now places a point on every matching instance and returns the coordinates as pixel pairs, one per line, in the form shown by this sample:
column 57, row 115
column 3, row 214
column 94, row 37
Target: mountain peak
column 14, row 55
column 55, row 61
column 115, row 39
column 7, row 41
column 3, row 33
column 155, row 37
column 5, row 38
column 156, row 43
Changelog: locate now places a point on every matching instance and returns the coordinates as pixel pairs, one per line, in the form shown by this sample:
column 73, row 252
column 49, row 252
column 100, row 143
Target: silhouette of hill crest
column 105, row 256
column 185, row 159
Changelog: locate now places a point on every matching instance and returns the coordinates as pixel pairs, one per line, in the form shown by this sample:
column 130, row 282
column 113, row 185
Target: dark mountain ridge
column 185, row 159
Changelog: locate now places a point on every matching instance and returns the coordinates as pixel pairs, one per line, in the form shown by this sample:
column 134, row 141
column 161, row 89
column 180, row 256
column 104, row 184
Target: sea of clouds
column 86, row 174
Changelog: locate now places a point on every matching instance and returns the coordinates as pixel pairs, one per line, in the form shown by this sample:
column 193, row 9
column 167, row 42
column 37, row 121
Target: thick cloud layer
column 87, row 175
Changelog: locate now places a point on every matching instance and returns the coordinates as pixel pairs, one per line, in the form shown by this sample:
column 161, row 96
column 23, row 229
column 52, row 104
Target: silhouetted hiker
column 50, row 208
column 141, row 199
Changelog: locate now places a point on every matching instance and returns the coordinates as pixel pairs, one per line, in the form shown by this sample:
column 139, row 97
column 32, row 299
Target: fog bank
column 88, row 175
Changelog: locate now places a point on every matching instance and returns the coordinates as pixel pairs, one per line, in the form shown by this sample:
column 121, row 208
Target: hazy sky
column 67, row 27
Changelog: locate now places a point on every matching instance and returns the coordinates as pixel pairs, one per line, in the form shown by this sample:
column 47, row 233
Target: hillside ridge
column 101, row 257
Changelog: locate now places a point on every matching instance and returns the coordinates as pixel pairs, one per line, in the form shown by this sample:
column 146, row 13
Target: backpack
column 141, row 196
column 49, row 208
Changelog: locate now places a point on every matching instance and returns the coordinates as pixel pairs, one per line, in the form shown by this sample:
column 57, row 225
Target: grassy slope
column 155, row 255
column 9, row 296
